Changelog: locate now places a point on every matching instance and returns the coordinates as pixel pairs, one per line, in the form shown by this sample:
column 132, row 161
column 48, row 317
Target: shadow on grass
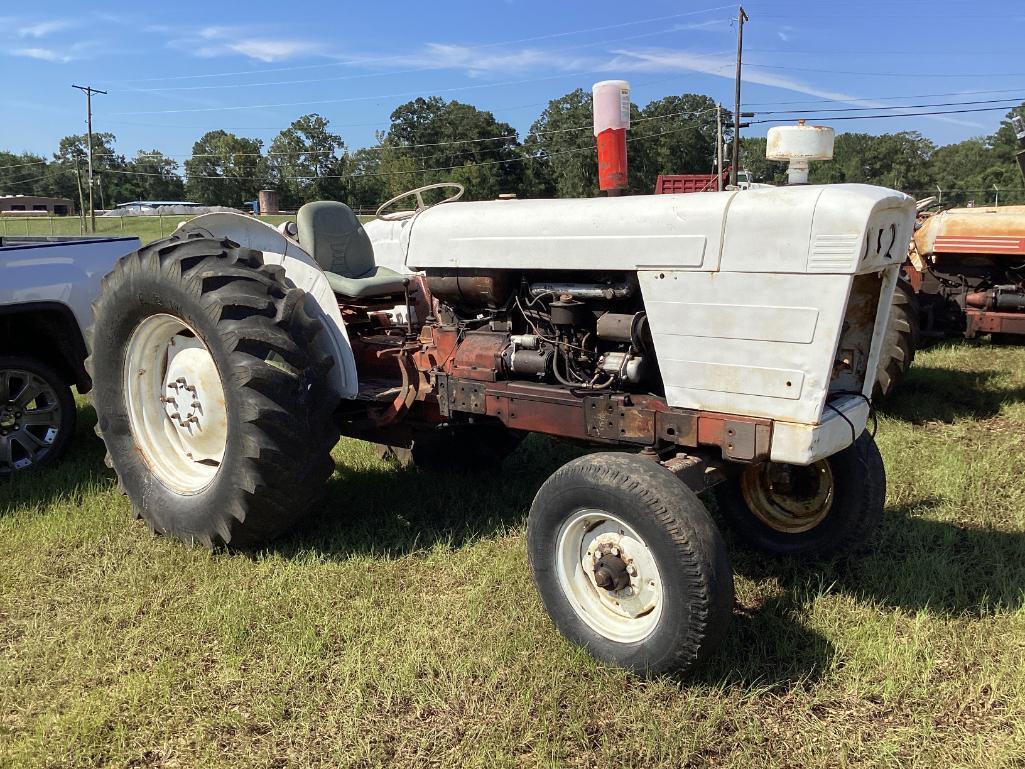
column 393, row 511
column 917, row 564
column 942, row 394
column 768, row 646
column 76, row 475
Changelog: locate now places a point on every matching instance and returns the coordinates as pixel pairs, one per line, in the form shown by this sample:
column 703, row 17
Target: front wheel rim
column 175, row 403
column 627, row 614
column 30, row 419
column 790, row 499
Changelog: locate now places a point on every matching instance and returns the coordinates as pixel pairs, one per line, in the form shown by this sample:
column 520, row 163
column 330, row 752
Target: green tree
column 564, row 158
column 672, row 135
column 23, row 174
column 305, row 162
column 363, row 186
column 450, row 141
column 898, row 160
column 752, row 158
column 225, row 169
column 153, row 176
column 71, row 165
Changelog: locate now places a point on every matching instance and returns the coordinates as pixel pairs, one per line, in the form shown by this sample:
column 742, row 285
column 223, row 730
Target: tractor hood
column 826, row 229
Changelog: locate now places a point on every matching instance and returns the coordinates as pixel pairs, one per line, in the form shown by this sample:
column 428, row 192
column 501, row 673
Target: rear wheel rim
column 175, row 403
column 626, row 615
column 790, row 499
column 30, row 419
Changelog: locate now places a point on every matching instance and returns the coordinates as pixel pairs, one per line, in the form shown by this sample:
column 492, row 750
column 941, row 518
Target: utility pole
column 741, row 18
column 718, row 146
column 89, row 91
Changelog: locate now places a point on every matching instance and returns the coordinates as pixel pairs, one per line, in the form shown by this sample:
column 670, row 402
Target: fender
column 301, row 269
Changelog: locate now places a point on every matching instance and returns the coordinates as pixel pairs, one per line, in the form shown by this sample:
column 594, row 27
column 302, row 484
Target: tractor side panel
column 746, row 343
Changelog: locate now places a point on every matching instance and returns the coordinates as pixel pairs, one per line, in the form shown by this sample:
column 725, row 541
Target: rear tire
column 623, row 517
column 899, row 342
column 37, row 415
column 257, row 337
column 833, row 507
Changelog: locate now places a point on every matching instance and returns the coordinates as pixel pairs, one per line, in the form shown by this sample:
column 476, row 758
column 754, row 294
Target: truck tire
column 211, row 392
column 899, row 342
column 457, row 449
column 629, row 564
column 832, row 507
column 37, row 414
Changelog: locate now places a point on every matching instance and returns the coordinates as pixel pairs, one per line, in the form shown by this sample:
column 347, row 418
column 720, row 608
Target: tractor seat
column 332, row 234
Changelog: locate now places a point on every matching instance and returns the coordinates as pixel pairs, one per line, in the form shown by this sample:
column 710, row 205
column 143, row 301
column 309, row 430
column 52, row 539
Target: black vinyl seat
column 332, row 234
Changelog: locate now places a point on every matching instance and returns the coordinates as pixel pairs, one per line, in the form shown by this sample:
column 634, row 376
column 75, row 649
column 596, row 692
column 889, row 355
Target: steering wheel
column 420, row 205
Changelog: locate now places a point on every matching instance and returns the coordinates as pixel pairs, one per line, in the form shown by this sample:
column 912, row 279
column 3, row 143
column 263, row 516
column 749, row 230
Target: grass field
column 400, row 627
column 147, row 228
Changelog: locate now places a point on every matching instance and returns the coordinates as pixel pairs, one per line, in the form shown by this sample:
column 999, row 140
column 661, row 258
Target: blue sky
column 176, row 70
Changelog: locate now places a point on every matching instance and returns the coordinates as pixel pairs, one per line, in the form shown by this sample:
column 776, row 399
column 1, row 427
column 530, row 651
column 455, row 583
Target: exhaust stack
column 611, row 104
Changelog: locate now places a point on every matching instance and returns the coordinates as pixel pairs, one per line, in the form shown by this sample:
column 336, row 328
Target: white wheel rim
column 628, row 615
column 175, row 403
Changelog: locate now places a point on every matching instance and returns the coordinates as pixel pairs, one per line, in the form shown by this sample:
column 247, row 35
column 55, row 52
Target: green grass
column 400, row 627
column 147, row 228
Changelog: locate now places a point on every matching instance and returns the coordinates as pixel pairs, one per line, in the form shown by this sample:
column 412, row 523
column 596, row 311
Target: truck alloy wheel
column 37, row 414
column 629, row 564
column 211, row 391
column 832, row 507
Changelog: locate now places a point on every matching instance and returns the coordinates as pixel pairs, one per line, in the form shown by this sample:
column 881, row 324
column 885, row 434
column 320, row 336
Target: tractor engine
column 544, row 328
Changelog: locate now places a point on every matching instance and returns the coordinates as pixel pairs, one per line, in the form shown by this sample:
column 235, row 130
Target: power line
column 854, row 100
column 1012, row 103
column 887, row 74
column 383, row 147
column 27, row 181
column 892, row 115
column 22, row 165
column 518, row 159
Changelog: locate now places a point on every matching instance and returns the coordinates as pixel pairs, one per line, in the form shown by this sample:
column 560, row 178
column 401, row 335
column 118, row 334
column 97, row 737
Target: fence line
column 153, row 225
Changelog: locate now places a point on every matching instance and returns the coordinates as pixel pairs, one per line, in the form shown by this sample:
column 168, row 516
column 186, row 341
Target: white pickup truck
column 47, row 286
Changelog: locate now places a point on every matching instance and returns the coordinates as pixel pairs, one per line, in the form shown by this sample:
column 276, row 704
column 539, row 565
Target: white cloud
column 273, row 50
column 225, row 41
column 658, row 60
column 44, row 28
column 42, row 54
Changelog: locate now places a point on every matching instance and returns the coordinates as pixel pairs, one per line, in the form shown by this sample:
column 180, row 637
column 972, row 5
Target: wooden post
column 741, row 18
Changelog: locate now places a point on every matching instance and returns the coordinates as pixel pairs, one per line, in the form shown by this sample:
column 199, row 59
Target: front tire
column 211, row 393
column 629, row 564
column 832, row 507
column 37, row 414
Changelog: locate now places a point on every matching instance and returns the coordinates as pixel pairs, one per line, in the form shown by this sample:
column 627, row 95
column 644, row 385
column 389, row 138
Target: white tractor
column 724, row 340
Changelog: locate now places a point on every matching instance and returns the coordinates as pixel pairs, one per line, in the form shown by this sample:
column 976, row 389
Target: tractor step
column 377, row 390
